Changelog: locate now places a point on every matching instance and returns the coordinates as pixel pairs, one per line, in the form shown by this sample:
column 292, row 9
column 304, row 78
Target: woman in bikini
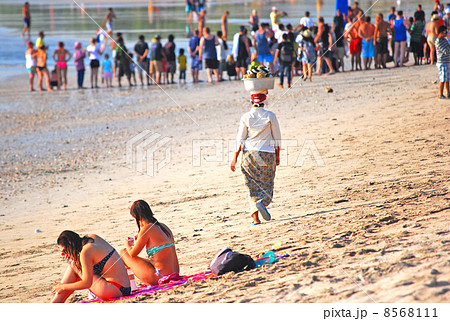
column 159, row 243
column 61, row 57
column 93, row 264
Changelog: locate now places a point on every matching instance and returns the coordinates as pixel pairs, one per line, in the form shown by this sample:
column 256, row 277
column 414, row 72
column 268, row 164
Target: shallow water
column 66, row 22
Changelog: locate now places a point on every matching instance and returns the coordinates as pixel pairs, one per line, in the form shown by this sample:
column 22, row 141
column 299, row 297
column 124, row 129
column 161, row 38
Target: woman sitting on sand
column 159, row 243
column 94, row 265
column 259, row 139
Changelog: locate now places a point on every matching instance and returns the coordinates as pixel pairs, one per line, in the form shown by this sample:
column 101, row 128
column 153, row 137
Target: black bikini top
column 98, row 268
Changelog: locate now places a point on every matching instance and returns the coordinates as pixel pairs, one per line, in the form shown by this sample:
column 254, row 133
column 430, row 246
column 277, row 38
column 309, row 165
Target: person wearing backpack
column 285, row 52
column 323, row 40
column 307, row 47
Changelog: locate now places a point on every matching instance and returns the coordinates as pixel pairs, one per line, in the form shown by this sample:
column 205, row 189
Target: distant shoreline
column 155, row 2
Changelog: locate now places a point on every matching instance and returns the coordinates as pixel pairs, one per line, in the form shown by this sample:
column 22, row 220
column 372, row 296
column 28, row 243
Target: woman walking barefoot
column 259, row 138
column 93, row 264
column 159, row 243
column 61, row 57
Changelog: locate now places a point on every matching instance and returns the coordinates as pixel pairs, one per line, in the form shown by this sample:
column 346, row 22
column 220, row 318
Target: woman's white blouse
column 258, row 131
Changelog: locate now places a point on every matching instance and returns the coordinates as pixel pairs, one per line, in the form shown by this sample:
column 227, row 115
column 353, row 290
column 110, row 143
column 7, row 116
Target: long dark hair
column 73, row 243
column 141, row 211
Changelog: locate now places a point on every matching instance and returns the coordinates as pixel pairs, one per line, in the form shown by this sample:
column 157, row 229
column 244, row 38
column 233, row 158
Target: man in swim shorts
column 381, row 41
column 141, row 50
column 432, row 33
column 355, row 43
column 157, row 54
column 366, row 32
column 26, row 19
column 193, row 48
column 108, row 21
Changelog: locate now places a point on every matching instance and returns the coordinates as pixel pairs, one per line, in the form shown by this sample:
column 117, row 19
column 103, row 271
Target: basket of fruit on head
column 258, row 77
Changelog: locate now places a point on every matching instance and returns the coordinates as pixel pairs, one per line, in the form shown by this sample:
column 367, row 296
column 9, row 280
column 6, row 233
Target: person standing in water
column 108, row 22
column 259, row 139
column 26, row 19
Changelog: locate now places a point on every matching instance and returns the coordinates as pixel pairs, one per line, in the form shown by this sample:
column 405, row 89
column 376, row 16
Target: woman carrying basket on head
column 259, row 139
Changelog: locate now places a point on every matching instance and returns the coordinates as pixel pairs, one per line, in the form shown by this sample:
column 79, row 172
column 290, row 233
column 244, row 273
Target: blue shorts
column 196, row 63
column 26, row 22
column 306, row 60
column 368, row 49
column 444, row 72
column 265, row 59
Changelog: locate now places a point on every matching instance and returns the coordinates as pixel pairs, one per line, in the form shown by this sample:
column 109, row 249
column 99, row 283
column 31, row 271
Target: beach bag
column 287, row 52
column 309, row 50
column 229, row 261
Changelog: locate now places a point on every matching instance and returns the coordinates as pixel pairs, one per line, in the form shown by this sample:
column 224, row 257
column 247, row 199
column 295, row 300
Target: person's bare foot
column 256, row 218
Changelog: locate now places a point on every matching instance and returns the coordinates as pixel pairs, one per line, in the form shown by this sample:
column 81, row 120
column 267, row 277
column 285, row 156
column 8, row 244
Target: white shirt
column 258, row 131
column 221, row 52
column 307, row 22
column 93, row 52
column 279, row 35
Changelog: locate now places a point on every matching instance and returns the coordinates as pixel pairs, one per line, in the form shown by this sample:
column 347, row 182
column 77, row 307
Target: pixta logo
column 142, row 150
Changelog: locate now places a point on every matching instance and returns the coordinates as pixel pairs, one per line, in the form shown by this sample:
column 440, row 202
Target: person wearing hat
column 443, row 61
column 275, row 18
column 307, row 53
column 432, row 32
column 259, row 139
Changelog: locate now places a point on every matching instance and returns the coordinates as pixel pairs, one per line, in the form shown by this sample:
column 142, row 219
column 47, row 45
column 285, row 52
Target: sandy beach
column 362, row 202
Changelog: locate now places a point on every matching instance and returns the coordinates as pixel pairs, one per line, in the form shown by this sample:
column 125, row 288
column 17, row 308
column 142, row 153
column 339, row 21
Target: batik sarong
column 259, row 174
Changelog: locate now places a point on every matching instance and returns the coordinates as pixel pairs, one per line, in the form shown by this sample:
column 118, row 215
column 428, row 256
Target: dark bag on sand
column 227, row 261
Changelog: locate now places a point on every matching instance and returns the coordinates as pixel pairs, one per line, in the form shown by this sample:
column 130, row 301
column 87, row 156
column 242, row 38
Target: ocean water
column 66, row 21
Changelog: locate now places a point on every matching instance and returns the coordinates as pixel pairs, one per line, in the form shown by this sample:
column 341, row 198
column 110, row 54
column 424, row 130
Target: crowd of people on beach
column 287, row 50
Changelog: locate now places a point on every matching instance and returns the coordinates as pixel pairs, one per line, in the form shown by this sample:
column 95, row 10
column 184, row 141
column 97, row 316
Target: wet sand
column 371, row 225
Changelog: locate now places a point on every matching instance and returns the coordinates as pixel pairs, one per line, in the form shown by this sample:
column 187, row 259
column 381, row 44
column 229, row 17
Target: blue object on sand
column 268, row 257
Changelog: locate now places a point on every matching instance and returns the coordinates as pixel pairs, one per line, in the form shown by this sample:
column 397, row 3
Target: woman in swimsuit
column 41, row 68
column 158, row 240
column 93, row 265
column 61, row 57
column 30, row 56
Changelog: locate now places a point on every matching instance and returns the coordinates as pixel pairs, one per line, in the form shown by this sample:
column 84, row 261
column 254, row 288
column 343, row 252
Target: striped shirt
column 442, row 50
